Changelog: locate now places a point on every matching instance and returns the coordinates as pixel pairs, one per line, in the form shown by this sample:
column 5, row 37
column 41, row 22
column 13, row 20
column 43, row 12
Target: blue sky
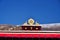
column 19, row 11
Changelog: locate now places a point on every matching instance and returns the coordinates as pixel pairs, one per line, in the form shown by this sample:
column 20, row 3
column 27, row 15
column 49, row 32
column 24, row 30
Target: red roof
column 31, row 35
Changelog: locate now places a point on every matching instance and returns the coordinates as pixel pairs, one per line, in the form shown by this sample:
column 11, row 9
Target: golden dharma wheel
column 31, row 21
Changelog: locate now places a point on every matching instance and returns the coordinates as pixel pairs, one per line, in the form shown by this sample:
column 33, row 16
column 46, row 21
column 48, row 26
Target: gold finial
column 25, row 27
column 31, row 21
column 36, row 28
column 31, row 28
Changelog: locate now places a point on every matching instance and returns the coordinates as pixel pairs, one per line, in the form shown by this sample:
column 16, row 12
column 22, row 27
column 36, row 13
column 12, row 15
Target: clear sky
column 19, row 11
